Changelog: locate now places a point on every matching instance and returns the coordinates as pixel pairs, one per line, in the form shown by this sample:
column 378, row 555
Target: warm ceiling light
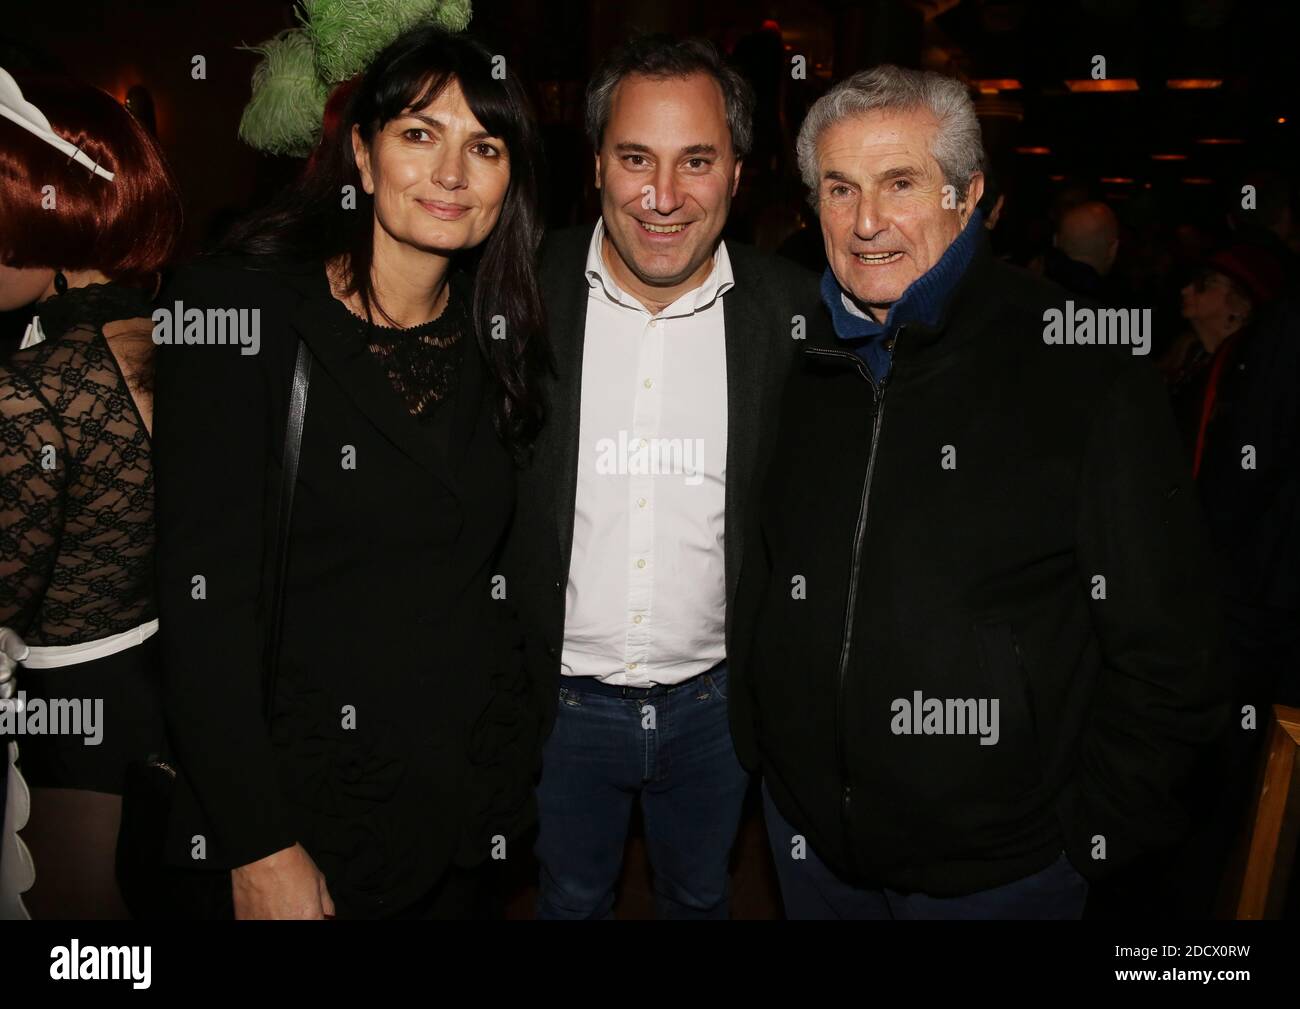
column 993, row 106
column 1116, row 180
column 1281, row 120
column 1169, row 157
column 1220, row 140
column 1198, row 181
column 992, row 85
column 1107, row 84
column 1033, row 150
column 1193, row 84
column 1057, row 178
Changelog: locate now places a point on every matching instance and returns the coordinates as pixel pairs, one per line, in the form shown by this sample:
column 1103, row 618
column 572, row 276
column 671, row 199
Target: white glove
column 12, row 651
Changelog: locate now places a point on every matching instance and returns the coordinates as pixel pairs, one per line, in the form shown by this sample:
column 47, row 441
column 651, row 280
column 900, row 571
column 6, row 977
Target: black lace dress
column 77, row 539
column 422, row 363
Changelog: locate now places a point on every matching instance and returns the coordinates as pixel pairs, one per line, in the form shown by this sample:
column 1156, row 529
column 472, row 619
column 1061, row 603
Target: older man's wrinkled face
column 886, row 217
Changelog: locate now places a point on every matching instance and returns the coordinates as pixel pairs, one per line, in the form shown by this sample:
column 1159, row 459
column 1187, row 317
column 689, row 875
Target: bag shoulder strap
column 284, row 512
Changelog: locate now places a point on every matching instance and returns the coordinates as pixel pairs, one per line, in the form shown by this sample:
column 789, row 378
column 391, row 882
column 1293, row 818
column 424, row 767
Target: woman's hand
column 286, row 884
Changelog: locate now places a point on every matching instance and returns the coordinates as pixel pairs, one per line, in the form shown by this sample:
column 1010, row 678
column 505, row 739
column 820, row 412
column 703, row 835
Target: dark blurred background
column 1199, row 93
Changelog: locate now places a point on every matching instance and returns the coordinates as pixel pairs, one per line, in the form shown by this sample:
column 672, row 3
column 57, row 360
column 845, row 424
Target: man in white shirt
column 671, row 347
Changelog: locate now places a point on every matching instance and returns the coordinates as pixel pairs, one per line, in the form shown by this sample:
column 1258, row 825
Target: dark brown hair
column 308, row 220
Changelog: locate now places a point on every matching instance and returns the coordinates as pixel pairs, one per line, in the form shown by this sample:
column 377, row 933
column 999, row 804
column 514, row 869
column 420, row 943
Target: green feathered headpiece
column 337, row 40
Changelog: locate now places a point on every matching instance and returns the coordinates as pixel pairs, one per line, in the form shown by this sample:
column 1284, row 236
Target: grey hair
column 660, row 56
column 958, row 145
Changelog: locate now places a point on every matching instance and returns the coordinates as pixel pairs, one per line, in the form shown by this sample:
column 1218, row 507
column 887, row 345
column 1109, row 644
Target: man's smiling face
column 881, row 200
column 666, row 172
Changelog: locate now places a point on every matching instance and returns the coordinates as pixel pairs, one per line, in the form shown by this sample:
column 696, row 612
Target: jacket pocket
column 1027, row 692
column 1002, row 660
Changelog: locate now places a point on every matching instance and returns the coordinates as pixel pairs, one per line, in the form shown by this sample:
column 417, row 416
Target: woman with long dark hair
column 398, row 761
column 90, row 216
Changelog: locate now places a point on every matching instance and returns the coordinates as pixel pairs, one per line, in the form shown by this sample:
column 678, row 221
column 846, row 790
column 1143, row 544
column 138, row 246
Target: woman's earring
column 60, row 282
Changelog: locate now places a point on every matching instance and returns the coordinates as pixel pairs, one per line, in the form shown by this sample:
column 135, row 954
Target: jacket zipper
column 850, row 606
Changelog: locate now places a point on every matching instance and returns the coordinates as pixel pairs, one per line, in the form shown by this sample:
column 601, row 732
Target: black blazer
column 402, row 738
column 758, row 314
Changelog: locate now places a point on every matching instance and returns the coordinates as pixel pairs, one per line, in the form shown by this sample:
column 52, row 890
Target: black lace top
column 422, row 362
column 76, row 482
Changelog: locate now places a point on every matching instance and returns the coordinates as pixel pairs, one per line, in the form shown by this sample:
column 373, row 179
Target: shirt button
column 654, row 322
column 631, row 665
column 640, row 502
column 647, row 383
column 641, row 563
column 636, row 619
column 644, row 444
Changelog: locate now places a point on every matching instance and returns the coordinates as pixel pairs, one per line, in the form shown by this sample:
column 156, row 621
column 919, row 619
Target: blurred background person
column 1232, row 378
column 1270, row 221
column 1219, row 305
column 1084, row 249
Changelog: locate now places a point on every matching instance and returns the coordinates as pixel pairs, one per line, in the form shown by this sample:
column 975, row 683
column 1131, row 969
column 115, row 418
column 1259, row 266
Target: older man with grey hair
column 974, row 641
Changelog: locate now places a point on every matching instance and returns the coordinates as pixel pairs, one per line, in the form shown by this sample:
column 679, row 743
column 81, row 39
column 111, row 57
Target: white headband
column 18, row 110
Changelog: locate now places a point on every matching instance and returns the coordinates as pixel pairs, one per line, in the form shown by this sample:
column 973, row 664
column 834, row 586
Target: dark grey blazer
column 758, row 312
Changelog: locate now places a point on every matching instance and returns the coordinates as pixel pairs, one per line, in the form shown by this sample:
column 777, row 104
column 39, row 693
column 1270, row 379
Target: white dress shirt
column 646, row 599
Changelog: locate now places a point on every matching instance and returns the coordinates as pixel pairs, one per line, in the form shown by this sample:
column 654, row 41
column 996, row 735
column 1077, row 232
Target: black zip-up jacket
column 1001, row 518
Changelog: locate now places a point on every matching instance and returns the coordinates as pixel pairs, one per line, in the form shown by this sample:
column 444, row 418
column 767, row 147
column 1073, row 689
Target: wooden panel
column 1276, row 822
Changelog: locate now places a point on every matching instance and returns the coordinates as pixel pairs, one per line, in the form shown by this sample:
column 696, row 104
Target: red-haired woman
column 87, row 230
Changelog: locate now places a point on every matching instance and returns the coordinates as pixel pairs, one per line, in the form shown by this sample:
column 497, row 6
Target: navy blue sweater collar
column 923, row 301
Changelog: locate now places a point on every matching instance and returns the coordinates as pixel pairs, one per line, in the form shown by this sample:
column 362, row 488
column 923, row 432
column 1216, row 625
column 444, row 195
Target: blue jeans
column 671, row 746
column 810, row 890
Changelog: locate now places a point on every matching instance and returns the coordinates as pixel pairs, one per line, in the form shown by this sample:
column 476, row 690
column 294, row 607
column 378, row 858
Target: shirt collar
column 716, row 284
column 852, row 308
